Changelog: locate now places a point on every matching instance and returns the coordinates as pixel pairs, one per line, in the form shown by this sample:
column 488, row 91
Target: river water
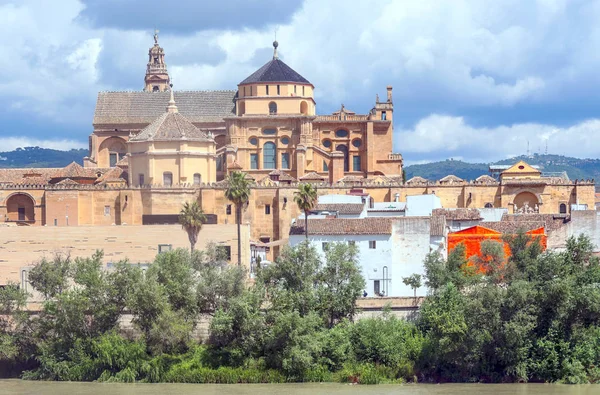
column 60, row 388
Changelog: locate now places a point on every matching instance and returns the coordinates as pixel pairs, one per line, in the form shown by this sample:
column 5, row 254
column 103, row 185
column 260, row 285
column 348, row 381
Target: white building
column 389, row 248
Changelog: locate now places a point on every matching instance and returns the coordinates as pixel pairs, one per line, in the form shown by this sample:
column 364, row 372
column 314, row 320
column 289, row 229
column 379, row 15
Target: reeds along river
column 60, row 388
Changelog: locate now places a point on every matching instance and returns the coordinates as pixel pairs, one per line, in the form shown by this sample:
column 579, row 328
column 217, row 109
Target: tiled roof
column 275, row 71
column 311, row 176
column 47, row 175
column 352, row 179
column 551, row 222
column 341, row 208
column 417, row 180
column 438, row 225
column 344, row 226
column 124, row 162
column 67, row 181
column 75, row 170
column 116, row 174
column 458, row 214
column 171, row 126
column 145, row 107
column 510, row 227
column 450, row 179
column 282, row 175
column 485, row 179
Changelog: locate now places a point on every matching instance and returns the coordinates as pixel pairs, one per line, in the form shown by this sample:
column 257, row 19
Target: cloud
column 12, row 143
column 438, row 137
column 187, row 16
column 462, row 58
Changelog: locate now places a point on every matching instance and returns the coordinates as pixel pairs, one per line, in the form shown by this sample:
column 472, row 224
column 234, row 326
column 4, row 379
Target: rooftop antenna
column 528, row 148
column 546, row 146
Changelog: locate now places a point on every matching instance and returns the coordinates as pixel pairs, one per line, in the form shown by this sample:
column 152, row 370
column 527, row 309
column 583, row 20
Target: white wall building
column 389, row 248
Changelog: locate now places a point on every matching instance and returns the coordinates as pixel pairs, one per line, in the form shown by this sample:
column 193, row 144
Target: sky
column 473, row 80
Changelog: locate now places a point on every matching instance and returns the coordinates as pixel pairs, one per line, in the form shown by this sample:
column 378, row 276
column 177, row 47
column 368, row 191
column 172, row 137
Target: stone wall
column 22, row 246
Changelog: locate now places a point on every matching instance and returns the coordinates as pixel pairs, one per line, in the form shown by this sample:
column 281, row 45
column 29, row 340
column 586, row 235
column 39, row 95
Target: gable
column 521, row 169
column 476, row 230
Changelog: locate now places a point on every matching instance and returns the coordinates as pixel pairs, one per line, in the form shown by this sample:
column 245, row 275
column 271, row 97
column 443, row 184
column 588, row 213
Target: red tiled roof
column 344, row 226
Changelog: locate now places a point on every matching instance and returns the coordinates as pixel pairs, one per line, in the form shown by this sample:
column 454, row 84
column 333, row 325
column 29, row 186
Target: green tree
column 413, row 281
column 306, row 199
column 340, row 283
column 191, row 219
column 238, row 192
column 49, row 277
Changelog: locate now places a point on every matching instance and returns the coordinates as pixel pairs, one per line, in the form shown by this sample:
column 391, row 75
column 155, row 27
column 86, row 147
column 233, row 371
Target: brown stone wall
column 22, row 246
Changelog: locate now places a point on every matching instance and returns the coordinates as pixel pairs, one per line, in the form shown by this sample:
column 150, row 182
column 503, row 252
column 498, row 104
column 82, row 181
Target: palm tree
column 238, row 193
column 191, row 219
column 306, row 199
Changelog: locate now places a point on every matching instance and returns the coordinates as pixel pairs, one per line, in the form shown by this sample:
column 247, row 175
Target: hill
column 576, row 168
column 40, row 157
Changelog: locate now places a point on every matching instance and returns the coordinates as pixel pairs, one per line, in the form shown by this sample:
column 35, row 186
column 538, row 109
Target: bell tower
column 157, row 78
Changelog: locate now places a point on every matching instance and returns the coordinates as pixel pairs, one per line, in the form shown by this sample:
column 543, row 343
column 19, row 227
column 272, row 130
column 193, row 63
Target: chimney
column 389, row 93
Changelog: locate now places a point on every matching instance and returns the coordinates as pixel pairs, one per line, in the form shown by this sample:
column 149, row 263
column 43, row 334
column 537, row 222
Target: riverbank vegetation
column 531, row 317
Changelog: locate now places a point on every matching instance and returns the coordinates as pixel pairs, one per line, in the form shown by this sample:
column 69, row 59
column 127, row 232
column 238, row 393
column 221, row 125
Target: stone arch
column 20, row 207
column 112, row 150
column 489, row 205
column 525, row 198
column 304, row 108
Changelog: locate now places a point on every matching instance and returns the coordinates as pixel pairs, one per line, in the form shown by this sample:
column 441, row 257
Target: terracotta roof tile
column 171, row 126
column 341, row 208
column 417, row 180
column 145, row 107
column 509, row 227
column 344, row 226
column 458, row 214
column 551, row 221
column 312, row 176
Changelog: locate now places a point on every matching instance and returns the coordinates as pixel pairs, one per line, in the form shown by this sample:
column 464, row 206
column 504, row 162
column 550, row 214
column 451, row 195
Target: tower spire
column 275, row 45
column 172, row 107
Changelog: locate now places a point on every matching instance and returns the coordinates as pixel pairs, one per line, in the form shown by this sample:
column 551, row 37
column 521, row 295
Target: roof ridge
column 178, row 91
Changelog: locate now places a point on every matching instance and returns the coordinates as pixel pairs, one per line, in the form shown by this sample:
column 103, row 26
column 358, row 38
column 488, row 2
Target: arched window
column 167, row 178
column 155, row 88
column 269, row 156
column 343, row 148
column 562, row 208
column 272, row 108
column 489, row 205
column 303, row 108
column 197, row 179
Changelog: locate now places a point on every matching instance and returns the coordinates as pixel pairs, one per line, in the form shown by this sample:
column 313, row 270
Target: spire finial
column 172, row 107
column 156, row 36
column 275, row 45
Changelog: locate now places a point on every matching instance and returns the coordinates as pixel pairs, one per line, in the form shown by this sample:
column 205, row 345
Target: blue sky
column 472, row 79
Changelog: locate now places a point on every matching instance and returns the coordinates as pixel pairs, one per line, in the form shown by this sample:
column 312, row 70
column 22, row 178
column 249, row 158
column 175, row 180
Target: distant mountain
column 574, row 167
column 40, row 157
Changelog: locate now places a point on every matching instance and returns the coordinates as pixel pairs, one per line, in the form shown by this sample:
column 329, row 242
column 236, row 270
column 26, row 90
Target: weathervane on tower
column 156, row 36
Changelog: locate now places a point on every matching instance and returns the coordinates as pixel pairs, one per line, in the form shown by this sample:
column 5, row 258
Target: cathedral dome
column 275, row 71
